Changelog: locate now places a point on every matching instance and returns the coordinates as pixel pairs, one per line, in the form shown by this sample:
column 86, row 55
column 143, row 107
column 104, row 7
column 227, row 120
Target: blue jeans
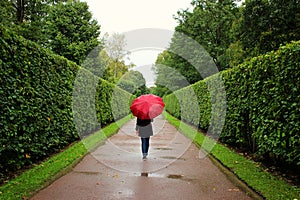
column 145, row 146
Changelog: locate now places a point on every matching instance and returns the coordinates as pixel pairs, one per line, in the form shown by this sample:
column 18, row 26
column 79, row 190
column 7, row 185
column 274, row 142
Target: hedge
column 263, row 104
column 37, row 91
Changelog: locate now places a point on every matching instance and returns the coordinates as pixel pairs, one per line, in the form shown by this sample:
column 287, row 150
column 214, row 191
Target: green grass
column 264, row 183
column 42, row 175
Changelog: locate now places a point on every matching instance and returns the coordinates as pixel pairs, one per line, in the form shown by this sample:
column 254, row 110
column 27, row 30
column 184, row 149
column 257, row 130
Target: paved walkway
column 116, row 170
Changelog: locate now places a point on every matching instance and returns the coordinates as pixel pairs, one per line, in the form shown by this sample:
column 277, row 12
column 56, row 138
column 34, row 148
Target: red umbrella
column 147, row 106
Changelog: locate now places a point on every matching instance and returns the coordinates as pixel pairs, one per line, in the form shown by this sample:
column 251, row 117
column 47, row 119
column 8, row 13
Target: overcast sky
column 121, row 16
column 124, row 16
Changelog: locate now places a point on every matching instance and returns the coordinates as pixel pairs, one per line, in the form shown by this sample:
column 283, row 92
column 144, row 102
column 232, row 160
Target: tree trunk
column 20, row 10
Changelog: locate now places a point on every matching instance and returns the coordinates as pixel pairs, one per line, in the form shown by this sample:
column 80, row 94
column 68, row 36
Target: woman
column 144, row 130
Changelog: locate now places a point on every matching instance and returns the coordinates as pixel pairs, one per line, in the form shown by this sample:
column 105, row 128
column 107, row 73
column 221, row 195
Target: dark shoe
column 144, row 157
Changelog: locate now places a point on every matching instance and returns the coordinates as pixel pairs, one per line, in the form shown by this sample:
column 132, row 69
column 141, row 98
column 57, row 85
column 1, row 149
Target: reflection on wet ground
column 116, row 170
column 172, row 157
column 161, row 148
column 155, row 175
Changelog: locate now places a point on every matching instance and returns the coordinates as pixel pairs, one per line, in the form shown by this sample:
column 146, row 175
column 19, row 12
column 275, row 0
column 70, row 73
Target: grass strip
column 264, row 183
column 33, row 180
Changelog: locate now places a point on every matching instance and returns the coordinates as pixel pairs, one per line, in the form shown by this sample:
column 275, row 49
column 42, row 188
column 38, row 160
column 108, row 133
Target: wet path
column 116, row 170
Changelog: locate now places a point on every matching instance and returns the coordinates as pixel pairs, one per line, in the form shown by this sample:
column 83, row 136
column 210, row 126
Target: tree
column 71, row 31
column 168, row 75
column 133, row 82
column 101, row 65
column 26, row 18
column 31, row 10
column 235, row 54
column 96, row 61
column 210, row 24
column 6, row 12
column 115, row 48
column 136, row 77
column 268, row 23
column 115, row 70
column 66, row 27
column 199, row 44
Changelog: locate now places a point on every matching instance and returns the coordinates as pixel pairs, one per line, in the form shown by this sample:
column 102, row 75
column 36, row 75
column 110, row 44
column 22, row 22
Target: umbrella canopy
column 147, row 106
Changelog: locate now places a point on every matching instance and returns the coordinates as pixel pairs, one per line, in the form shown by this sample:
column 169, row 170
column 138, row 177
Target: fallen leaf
column 233, row 190
column 116, row 176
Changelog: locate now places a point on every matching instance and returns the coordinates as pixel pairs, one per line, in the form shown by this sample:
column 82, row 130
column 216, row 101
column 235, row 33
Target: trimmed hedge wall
column 97, row 102
column 263, row 104
column 36, row 94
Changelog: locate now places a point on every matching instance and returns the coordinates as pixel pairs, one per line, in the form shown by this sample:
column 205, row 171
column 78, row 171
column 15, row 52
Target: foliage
column 160, row 90
column 96, row 62
column 101, row 65
column 230, row 33
column 210, row 24
column 172, row 76
column 65, row 27
column 136, row 77
column 71, row 32
column 235, row 54
column 261, row 115
column 25, row 185
column 27, row 18
column 36, row 89
column 96, row 102
column 6, row 12
column 251, row 173
column 268, row 23
column 200, row 41
column 115, row 48
column 133, row 82
column 115, row 70
column 126, row 85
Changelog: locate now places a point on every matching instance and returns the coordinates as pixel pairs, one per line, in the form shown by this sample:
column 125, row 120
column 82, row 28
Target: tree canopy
column 229, row 33
column 71, row 31
column 266, row 24
column 107, row 60
column 133, row 82
column 65, row 27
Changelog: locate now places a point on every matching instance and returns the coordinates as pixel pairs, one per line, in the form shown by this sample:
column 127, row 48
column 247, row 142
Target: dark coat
column 144, row 127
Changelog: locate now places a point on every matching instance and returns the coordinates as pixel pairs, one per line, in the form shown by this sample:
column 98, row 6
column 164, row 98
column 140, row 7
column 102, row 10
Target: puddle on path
column 168, row 176
column 162, row 148
column 172, row 176
column 87, row 172
column 146, row 174
column 175, row 176
column 172, row 158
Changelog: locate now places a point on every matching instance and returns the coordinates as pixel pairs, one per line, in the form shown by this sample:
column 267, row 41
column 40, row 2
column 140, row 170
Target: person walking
column 144, row 130
column 145, row 108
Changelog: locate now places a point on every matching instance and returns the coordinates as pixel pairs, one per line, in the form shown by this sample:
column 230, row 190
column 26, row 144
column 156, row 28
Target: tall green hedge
column 263, row 104
column 36, row 95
